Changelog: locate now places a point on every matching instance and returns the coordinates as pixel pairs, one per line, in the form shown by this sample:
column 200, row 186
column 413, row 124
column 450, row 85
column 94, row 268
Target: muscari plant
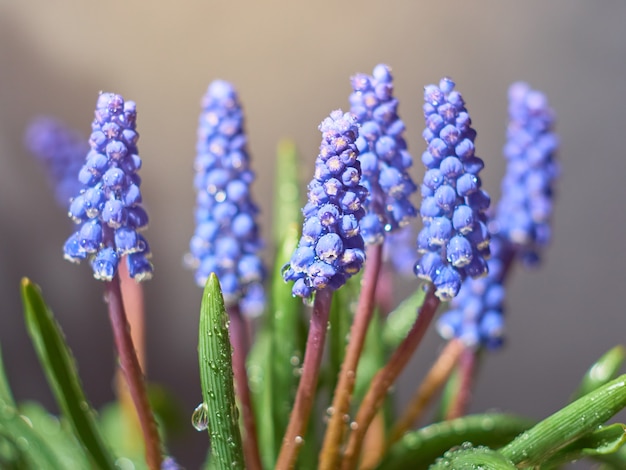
column 261, row 395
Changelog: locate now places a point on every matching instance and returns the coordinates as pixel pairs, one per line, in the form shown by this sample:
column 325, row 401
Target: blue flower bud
column 61, row 151
column 454, row 205
column 226, row 239
column 331, row 248
column 108, row 207
column 384, row 159
column 525, row 209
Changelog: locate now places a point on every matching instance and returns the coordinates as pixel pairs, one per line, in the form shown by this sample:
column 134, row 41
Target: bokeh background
column 291, row 62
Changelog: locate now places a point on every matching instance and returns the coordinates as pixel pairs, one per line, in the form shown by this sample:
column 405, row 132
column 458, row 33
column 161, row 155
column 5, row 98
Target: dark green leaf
column 419, row 449
column 216, row 378
column 472, row 458
column 5, row 390
column 60, row 369
column 605, row 369
column 598, row 445
column 401, row 319
column 567, row 425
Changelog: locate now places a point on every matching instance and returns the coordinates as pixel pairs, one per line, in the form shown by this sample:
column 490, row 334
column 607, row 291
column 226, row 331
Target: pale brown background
column 291, row 62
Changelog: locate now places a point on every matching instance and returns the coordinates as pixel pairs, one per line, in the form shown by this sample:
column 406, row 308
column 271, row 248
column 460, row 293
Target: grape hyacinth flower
column 454, row 241
column 61, row 150
column 383, row 155
column 476, row 313
column 331, row 248
column 108, row 208
column 226, row 239
column 525, row 209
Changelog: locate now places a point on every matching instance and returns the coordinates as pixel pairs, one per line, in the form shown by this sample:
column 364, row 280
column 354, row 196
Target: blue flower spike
column 226, row 240
column 331, row 248
column 454, row 241
column 383, row 155
column 476, row 314
column 525, row 210
column 61, row 150
column 108, row 208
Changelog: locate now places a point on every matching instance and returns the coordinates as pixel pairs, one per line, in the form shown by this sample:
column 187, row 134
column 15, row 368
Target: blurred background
column 291, row 62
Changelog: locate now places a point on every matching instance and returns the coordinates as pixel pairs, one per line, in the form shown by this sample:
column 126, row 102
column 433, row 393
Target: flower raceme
column 61, row 150
column 331, row 248
column 454, row 241
column 521, row 227
column 108, row 209
column 226, row 239
column 383, row 155
column 525, row 209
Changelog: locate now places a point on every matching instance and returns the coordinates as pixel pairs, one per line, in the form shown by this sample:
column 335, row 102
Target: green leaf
column 472, row 458
column 598, row 445
column 57, row 435
column 60, row 369
column 22, row 447
column 419, row 449
column 567, row 425
column 605, row 369
column 342, row 310
column 121, row 437
column 6, row 395
column 401, row 319
column 216, row 378
column 287, row 196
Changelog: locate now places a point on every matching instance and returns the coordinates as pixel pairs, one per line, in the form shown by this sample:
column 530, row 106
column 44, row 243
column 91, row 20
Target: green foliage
column 58, row 364
column 216, row 378
column 564, row 427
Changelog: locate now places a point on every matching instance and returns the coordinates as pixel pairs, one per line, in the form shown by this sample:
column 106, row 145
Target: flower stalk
column 130, row 367
column 299, row 419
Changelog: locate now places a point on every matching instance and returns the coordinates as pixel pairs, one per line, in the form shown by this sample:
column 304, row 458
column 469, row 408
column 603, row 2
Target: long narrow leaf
column 567, row 425
column 5, row 390
column 606, row 368
column 26, row 448
column 60, row 369
column 419, row 449
column 600, row 445
column 216, row 378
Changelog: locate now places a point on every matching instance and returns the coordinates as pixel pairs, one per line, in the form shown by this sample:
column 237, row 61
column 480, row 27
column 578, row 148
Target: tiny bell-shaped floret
column 454, row 240
column 384, row 157
column 108, row 207
column 226, row 240
column 331, row 248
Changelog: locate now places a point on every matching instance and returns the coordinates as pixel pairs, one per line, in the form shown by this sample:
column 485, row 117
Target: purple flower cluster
column 108, row 208
column 476, row 313
column 61, row 150
column 331, row 248
column 525, row 209
column 226, row 240
column 454, row 241
column 383, row 155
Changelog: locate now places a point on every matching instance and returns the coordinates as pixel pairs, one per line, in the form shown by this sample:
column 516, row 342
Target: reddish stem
column 434, row 380
column 385, row 378
column 129, row 364
column 240, row 343
column 294, row 436
column 335, row 431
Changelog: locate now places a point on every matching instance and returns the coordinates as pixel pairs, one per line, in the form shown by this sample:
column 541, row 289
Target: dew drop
column 200, row 418
column 354, row 425
column 124, row 464
column 294, row 361
column 298, row 440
